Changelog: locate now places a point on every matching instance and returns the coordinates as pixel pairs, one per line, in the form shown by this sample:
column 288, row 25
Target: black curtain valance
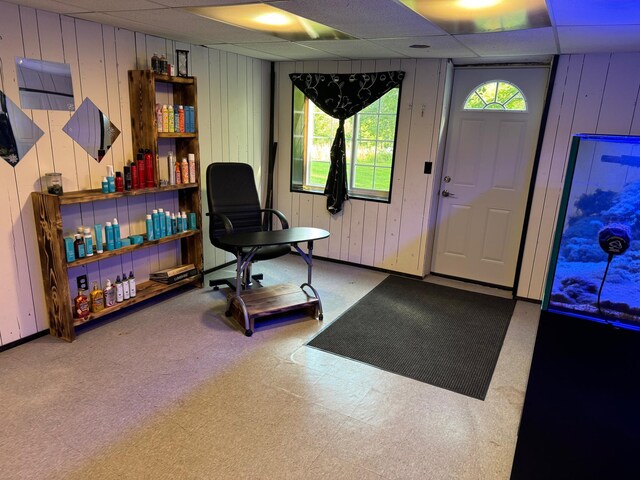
column 341, row 96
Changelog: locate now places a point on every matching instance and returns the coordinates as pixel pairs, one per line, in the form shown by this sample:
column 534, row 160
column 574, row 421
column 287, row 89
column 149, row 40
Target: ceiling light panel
column 478, row 16
column 271, row 20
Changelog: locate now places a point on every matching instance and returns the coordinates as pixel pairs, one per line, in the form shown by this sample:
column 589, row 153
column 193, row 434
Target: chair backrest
column 231, row 191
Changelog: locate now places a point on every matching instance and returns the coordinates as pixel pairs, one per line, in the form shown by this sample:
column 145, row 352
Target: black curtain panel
column 341, row 96
column 8, row 145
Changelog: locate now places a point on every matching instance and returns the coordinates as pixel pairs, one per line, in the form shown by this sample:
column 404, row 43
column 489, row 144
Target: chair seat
column 269, row 252
column 264, row 253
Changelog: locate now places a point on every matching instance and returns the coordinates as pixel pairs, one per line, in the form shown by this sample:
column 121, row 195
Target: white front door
column 485, row 181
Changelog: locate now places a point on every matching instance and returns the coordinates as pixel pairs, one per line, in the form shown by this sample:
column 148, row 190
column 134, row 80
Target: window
column 496, row 95
column 370, row 140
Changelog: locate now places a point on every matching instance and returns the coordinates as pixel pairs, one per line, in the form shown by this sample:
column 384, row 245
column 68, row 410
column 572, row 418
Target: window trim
column 298, row 186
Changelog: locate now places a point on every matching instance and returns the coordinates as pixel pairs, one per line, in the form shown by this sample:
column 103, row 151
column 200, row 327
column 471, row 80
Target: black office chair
column 234, row 207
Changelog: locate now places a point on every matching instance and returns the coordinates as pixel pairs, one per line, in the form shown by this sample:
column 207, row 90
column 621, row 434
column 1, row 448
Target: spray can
column 117, row 241
column 171, row 168
column 142, row 177
column 170, row 118
column 148, row 161
column 108, row 233
column 159, row 117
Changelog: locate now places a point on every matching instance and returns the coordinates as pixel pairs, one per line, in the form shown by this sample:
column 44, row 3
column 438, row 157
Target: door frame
column 553, row 66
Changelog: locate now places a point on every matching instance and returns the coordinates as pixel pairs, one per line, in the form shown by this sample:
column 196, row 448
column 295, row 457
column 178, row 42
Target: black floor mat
column 443, row 336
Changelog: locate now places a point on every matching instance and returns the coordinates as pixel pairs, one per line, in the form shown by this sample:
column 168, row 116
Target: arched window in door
column 496, row 95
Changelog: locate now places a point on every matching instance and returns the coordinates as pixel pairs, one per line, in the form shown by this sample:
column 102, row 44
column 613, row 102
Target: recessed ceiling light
column 478, row 16
column 272, row 20
column 418, row 45
column 477, row 4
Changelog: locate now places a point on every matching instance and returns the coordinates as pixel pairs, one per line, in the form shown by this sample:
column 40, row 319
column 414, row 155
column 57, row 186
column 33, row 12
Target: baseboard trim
column 26, row 339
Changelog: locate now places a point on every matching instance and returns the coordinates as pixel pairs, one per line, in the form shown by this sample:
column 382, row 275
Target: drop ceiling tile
column 613, row 38
column 538, row 41
column 353, row 49
column 540, row 59
column 202, row 30
column 363, row 18
column 111, row 5
column 440, row 46
column 291, row 51
column 247, row 52
column 595, row 12
column 49, row 5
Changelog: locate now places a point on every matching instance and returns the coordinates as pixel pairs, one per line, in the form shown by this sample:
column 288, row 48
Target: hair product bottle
column 148, row 162
column 127, row 178
column 192, row 168
column 97, row 228
column 134, row 176
column 170, row 118
column 78, row 246
column 125, row 287
column 171, row 169
column 184, row 170
column 149, row 225
column 132, row 285
column 109, row 294
column 117, row 241
column 142, row 172
column 81, row 305
column 88, row 242
column 168, row 228
column 162, row 223
column 155, row 216
column 178, row 172
column 111, row 179
column 119, row 182
column 119, row 291
column 108, row 233
column 96, row 299
column 159, row 117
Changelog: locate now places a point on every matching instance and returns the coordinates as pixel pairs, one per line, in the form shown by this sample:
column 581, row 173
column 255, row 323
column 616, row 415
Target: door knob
column 447, row 193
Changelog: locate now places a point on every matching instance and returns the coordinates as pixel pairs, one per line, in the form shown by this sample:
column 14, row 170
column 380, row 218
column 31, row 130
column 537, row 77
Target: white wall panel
column 233, row 123
column 390, row 236
column 594, row 93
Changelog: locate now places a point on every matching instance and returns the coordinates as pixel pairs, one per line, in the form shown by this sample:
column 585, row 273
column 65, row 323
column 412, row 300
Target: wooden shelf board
column 96, row 257
column 173, row 79
column 144, row 291
column 177, row 135
column 85, row 196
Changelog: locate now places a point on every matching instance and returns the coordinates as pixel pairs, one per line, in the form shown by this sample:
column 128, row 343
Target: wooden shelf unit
column 48, row 211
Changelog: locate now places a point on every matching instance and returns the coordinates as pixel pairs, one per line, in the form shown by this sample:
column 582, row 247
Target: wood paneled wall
column 394, row 235
column 593, row 93
column 233, row 100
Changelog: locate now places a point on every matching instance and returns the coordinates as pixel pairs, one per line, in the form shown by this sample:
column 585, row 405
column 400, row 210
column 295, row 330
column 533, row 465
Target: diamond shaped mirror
column 17, row 132
column 44, row 85
column 92, row 130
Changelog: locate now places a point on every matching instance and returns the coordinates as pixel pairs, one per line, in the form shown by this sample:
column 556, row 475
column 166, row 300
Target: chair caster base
column 248, row 333
column 216, row 288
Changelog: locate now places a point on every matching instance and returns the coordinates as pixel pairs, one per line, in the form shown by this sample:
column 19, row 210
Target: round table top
column 273, row 237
